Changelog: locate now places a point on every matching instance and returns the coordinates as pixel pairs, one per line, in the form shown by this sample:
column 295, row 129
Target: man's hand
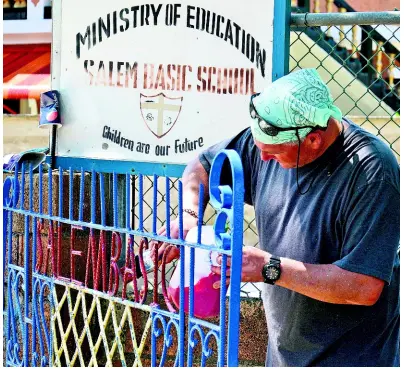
column 253, row 261
column 323, row 282
column 174, row 253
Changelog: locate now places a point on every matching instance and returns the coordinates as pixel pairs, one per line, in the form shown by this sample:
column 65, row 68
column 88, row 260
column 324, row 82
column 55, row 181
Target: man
column 326, row 199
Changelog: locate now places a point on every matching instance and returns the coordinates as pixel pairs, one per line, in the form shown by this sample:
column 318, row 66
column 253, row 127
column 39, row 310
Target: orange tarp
column 26, row 70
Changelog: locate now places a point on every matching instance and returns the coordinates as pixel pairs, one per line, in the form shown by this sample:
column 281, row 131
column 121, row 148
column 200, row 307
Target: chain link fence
column 248, row 290
column 361, row 66
column 359, row 63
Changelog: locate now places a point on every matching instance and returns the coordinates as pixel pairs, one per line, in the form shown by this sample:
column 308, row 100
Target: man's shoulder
column 371, row 155
column 245, row 135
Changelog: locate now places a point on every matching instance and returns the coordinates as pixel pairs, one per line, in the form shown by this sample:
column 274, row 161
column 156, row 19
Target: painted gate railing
column 58, row 313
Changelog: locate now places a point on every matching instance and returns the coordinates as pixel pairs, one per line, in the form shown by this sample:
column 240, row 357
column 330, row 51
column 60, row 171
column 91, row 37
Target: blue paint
column 31, row 187
column 127, row 199
column 180, row 211
column 22, row 185
column 115, row 198
column 281, row 37
column 81, row 201
column 93, row 195
column 182, row 307
column 8, row 189
column 222, row 321
column 119, row 166
column 155, row 333
column 168, row 207
column 40, row 189
column 182, row 277
column 155, row 184
column 102, row 200
column 34, row 296
column 16, row 192
column 61, row 192
column 71, row 193
column 170, row 327
column 140, row 202
column 237, row 242
column 26, row 291
column 5, row 222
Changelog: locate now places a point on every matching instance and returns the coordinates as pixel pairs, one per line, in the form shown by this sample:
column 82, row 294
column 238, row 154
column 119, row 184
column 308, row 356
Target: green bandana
column 295, row 100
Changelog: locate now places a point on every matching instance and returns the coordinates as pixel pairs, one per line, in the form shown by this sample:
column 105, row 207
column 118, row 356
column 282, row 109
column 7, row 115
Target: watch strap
column 274, row 262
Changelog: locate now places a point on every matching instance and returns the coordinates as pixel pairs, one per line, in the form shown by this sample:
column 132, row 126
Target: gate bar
column 345, row 19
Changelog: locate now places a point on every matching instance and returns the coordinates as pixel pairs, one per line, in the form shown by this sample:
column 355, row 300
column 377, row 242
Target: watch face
column 273, row 273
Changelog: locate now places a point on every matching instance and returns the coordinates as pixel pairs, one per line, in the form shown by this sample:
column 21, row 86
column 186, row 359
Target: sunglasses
column 267, row 127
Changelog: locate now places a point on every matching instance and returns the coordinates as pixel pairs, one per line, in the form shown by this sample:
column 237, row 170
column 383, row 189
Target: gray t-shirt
column 350, row 218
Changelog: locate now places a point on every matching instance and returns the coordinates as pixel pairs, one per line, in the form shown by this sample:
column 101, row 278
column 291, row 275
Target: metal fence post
column 281, row 39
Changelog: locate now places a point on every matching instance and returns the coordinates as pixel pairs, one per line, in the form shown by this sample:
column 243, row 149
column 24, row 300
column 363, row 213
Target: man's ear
column 314, row 140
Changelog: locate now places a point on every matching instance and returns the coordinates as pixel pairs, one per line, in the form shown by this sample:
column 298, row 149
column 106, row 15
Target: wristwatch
column 272, row 270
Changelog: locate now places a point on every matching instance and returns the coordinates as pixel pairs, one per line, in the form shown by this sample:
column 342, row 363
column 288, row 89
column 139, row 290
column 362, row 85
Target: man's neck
column 333, row 131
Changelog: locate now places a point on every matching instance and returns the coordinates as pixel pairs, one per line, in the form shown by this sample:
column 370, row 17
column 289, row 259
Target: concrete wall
column 21, row 132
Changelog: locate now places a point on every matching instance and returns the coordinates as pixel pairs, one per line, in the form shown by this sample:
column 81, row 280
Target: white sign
column 158, row 81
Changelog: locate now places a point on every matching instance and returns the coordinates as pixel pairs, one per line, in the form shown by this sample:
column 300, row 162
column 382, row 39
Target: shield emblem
column 160, row 112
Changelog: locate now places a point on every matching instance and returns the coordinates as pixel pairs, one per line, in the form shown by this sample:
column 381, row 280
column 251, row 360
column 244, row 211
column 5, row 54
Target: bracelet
column 191, row 213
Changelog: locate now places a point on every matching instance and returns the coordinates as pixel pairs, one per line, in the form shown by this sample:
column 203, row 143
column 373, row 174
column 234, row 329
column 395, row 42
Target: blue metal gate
column 67, row 270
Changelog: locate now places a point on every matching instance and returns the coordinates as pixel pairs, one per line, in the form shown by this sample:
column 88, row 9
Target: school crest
column 160, row 112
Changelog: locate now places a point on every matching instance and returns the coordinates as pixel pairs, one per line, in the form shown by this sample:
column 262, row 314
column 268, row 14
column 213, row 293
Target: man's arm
column 330, row 283
column 324, row 282
column 194, row 174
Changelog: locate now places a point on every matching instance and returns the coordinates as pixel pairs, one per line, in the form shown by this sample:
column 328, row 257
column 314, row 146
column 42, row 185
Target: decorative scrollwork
column 224, row 198
column 41, row 322
column 206, row 350
column 193, row 342
column 11, row 191
column 36, row 329
column 167, row 338
column 14, row 346
column 230, row 203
